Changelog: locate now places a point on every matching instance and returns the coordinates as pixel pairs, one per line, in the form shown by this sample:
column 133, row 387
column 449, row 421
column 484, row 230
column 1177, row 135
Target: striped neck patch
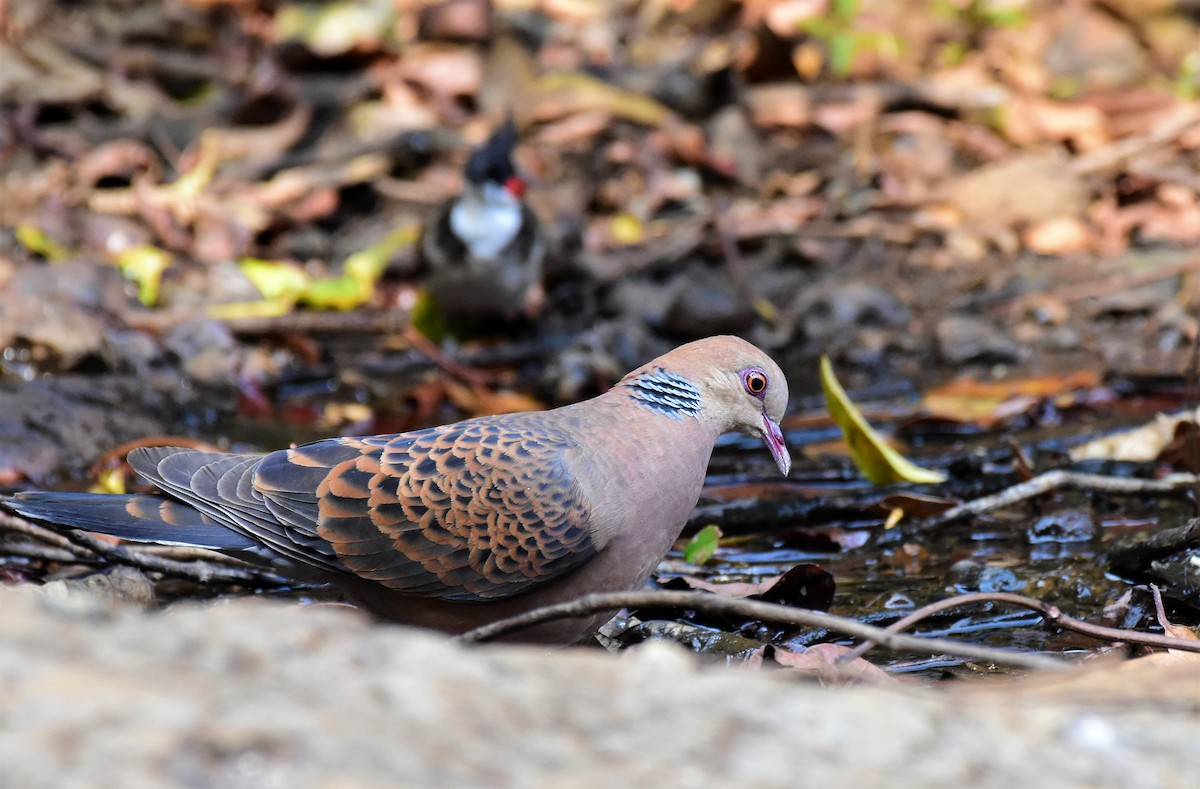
column 666, row 393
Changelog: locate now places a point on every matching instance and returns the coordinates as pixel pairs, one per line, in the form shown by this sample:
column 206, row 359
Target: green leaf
column 846, row 10
column 427, row 319
column 877, row 461
column 703, row 545
column 145, row 266
column 843, row 49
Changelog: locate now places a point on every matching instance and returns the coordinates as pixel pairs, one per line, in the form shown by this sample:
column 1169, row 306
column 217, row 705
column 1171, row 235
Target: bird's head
column 737, row 388
column 491, row 163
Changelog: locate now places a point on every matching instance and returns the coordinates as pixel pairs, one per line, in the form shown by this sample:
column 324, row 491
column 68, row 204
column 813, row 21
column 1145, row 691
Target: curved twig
column 765, row 612
column 1051, row 613
column 1057, row 480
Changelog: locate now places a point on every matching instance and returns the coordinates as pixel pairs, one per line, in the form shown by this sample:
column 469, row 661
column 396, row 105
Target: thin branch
column 764, row 612
column 1051, row 613
column 1116, row 154
column 1061, row 480
column 199, row 571
column 12, row 523
column 42, row 553
column 82, row 546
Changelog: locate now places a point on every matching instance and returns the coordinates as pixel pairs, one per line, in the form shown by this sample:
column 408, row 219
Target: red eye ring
column 755, row 381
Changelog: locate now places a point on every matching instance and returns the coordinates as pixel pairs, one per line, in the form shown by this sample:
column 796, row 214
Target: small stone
column 964, row 338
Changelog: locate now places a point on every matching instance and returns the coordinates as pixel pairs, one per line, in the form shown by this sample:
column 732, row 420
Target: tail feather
column 140, row 518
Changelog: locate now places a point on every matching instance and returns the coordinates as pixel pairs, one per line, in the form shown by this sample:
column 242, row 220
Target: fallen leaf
column 145, row 266
column 278, row 281
column 1025, row 188
column 336, row 293
column 973, row 401
column 1062, row 235
column 917, row 504
column 38, row 242
column 806, row 585
column 822, row 662
column 337, row 28
column 627, row 229
column 703, row 545
column 481, row 401
column 1141, row 444
column 879, row 463
column 111, row 480
column 559, row 94
column 782, row 104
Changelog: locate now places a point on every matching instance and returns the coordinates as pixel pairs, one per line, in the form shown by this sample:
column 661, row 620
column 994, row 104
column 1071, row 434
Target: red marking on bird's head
column 515, row 186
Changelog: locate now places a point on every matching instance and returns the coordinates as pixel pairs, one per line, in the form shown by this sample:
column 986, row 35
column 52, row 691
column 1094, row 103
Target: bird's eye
column 755, row 381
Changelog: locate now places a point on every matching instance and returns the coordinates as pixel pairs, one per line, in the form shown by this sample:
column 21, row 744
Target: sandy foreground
column 250, row 693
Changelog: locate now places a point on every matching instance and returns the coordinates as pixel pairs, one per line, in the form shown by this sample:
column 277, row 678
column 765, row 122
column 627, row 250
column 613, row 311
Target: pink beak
column 773, row 438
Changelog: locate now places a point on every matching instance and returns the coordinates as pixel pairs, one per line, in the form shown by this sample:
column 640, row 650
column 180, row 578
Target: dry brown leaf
column 822, row 663
column 1029, row 120
column 781, row 104
column 1026, row 188
column 844, row 117
column 985, row 402
column 559, row 94
column 1063, row 235
column 446, row 71
column 918, row 505
column 481, row 401
column 1142, row 444
column 805, row 585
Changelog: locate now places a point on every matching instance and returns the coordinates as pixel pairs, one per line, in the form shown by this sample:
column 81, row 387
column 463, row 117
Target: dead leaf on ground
column 1026, row 188
column 973, row 401
column 1141, row 444
column 822, row 662
column 804, row 586
column 481, row 401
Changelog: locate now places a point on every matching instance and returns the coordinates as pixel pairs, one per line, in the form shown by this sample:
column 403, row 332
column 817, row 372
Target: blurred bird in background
column 483, row 251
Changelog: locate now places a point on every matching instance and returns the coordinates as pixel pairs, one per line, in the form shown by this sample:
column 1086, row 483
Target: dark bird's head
column 491, row 163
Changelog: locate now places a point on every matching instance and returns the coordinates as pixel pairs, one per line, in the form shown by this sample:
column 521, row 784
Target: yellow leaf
column 336, row 293
column 766, row 310
column 367, row 265
column 276, row 280
column 191, row 184
column 627, row 229
column 36, row 241
column 145, row 266
column 236, row 310
column 878, row 462
column 563, row 93
column 110, row 481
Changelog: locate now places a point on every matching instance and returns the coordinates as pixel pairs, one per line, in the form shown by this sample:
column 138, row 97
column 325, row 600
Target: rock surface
column 258, row 694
